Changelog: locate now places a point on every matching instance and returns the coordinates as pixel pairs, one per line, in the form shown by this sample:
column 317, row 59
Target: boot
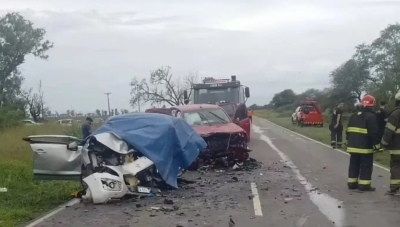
column 352, row 186
column 393, row 191
column 366, row 188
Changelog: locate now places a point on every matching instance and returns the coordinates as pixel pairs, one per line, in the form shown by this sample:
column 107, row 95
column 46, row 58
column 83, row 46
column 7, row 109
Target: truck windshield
column 206, row 117
column 213, row 95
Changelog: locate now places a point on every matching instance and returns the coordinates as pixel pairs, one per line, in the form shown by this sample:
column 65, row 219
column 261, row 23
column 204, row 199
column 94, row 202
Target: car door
column 55, row 157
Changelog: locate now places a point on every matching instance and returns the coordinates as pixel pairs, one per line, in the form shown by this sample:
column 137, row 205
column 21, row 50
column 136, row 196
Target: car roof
column 191, row 107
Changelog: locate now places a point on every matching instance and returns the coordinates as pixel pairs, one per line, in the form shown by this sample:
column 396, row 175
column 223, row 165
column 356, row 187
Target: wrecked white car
column 129, row 154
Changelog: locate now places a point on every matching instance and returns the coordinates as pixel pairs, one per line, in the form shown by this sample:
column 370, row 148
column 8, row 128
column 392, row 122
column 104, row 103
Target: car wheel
column 85, row 172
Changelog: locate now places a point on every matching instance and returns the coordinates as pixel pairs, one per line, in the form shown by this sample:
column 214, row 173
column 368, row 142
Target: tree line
column 373, row 69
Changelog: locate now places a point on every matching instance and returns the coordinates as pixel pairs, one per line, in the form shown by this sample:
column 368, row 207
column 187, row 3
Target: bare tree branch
column 161, row 88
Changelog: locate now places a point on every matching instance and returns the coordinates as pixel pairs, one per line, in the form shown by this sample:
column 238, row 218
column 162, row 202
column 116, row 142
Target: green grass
column 27, row 198
column 321, row 134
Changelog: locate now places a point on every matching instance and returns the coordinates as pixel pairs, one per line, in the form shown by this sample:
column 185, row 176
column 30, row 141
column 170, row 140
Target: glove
column 378, row 150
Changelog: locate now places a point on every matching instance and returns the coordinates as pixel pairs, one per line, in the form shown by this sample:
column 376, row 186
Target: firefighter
column 362, row 140
column 381, row 115
column 336, row 126
column 358, row 107
column 250, row 114
column 391, row 142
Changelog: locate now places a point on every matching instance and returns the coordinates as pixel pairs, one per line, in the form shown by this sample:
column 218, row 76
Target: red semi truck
column 228, row 94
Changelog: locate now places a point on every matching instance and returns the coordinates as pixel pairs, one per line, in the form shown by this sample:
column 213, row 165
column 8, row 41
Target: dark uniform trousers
column 394, row 171
column 391, row 141
column 360, row 170
column 336, row 135
column 362, row 139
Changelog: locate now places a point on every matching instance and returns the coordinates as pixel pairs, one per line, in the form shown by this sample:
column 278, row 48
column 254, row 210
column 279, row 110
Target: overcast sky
column 100, row 45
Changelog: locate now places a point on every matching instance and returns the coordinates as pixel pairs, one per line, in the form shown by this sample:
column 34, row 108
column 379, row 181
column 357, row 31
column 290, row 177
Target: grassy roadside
column 321, row 134
column 27, row 198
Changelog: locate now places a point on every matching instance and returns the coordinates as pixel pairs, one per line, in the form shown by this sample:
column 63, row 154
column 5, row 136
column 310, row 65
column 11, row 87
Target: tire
column 85, row 171
column 301, row 124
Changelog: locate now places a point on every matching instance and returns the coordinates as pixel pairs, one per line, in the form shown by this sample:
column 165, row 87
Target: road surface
column 301, row 183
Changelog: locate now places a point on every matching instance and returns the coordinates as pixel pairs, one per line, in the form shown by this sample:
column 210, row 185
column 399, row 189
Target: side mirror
column 185, row 96
column 186, row 101
column 73, row 146
column 247, row 92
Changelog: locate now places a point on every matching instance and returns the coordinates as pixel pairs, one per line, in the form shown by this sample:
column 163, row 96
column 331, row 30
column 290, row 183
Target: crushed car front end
column 226, row 146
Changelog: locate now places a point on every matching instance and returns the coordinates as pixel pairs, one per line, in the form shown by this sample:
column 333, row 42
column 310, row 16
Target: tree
column 104, row 113
column 35, row 102
column 385, row 62
column 349, row 80
column 18, row 38
column 160, row 88
column 98, row 112
column 116, row 111
column 284, row 97
column 124, row 111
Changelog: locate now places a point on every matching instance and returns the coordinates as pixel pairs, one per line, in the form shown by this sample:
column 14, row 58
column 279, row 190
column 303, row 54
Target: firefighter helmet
column 368, row 100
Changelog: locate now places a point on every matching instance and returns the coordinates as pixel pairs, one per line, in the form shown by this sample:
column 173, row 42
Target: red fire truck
column 227, row 93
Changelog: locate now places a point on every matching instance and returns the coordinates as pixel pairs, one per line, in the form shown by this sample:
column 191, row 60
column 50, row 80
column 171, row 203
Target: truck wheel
column 302, row 124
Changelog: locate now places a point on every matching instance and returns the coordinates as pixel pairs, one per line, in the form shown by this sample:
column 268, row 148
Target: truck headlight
column 111, row 184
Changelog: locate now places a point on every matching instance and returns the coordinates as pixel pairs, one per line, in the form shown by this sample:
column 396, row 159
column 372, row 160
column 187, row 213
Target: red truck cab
column 226, row 93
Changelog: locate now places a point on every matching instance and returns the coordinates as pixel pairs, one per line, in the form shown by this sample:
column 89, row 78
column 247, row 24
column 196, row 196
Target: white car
column 66, row 122
column 108, row 170
column 294, row 115
column 30, row 122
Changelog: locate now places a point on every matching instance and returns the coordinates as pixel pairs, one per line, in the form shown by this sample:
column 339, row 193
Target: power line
column 108, row 101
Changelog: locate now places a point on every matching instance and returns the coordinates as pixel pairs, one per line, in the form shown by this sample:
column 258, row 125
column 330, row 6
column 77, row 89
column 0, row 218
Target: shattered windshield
column 214, row 95
column 206, row 117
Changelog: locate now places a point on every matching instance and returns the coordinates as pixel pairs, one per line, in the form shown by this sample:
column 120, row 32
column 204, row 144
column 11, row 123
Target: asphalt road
column 300, row 183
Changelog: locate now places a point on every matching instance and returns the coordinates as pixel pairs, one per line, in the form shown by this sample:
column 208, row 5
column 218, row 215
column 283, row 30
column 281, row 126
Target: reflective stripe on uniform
column 383, row 142
column 390, row 126
column 352, row 180
column 394, row 152
column 357, row 130
column 359, row 150
column 364, row 182
column 395, row 181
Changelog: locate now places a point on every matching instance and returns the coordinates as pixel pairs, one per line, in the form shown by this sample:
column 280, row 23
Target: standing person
column 362, row 140
column 87, row 128
column 382, row 118
column 250, row 114
column 391, row 142
column 336, row 126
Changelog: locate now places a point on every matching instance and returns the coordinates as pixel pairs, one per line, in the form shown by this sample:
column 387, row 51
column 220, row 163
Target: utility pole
column 108, row 101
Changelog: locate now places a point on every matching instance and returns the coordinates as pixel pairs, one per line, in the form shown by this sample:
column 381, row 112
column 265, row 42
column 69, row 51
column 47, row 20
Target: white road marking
column 328, row 205
column 62, row 207
column 315, row 141
column 256, row 200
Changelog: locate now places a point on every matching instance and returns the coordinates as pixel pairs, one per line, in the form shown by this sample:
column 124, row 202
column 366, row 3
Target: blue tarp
column 167, row 141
